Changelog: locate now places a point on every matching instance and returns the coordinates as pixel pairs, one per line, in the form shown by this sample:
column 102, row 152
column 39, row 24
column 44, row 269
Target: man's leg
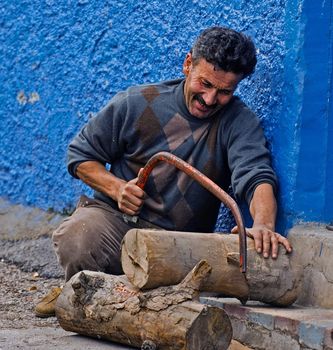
column 90, row 239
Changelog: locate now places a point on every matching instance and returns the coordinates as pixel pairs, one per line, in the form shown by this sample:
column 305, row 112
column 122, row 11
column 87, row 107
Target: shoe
column 46, row 307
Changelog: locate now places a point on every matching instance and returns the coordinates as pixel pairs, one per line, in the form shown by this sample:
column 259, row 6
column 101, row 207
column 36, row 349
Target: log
column 152, row 258
column 110, row 307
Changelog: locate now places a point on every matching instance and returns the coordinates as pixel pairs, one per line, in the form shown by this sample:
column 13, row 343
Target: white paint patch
column 23, row 99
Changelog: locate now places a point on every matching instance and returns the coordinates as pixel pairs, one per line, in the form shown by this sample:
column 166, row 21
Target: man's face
column 207, row 90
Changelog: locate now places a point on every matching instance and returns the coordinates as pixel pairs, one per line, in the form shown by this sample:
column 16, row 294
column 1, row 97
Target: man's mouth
column 203, row 104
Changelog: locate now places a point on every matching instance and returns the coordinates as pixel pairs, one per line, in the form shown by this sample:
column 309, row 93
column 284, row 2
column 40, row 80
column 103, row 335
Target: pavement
column 51, row 338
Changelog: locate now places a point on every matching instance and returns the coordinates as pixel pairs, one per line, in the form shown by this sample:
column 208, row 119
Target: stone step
column 259, row 326
column 314, row 243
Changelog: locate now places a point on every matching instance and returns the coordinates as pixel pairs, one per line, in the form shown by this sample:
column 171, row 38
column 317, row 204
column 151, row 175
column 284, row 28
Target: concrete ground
column 51, row 338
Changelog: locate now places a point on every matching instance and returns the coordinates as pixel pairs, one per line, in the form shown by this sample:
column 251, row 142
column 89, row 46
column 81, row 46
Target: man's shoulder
column 237, row 104
column 237, row 110
column 136, row 96
column 152, row 90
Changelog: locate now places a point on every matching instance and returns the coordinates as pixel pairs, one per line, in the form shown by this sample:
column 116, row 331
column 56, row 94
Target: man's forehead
column 219, row 78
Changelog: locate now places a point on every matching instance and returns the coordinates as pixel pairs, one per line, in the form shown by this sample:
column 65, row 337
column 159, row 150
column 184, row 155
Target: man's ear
column 187, row 64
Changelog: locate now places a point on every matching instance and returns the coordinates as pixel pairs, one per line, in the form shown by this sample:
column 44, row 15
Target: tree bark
column 110, row 307
column 152, row 258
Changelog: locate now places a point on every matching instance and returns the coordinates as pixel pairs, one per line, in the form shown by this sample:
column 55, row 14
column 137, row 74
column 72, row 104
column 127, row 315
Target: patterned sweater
column 228, row 147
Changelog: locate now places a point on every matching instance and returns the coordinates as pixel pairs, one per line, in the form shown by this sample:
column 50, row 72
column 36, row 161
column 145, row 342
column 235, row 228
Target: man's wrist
column 269, row 225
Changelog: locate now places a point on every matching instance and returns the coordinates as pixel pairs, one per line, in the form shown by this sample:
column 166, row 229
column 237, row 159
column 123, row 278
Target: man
column 198, row 119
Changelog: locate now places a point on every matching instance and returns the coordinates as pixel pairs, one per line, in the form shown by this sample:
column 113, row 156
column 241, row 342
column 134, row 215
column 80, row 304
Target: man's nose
column 210, row 97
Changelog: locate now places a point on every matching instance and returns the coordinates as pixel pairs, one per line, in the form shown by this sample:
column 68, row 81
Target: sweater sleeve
column 100, row 139
column 248, row 157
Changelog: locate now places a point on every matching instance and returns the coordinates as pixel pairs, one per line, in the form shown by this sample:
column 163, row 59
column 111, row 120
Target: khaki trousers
column 90, row 239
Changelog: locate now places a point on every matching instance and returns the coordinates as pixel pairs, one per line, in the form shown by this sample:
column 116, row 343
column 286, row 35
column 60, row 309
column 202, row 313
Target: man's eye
column 206, row 84
column 225, row 92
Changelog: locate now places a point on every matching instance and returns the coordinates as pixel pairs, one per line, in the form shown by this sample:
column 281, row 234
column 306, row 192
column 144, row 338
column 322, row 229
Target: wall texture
column 303, row 138
column 61, row 61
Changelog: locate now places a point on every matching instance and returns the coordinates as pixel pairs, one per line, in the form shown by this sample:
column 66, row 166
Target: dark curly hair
column 226, row 49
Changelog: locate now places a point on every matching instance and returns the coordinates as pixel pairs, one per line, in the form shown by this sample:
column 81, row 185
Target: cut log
column 111, row 308
column 152, row 258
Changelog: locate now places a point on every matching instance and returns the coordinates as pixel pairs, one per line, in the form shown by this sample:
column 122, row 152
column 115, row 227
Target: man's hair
column 226, row 49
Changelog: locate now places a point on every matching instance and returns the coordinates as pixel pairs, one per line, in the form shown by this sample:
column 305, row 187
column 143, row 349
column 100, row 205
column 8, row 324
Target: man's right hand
column 130, row 197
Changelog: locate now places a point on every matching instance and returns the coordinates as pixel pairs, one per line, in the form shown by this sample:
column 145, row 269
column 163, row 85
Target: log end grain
column 211, row 331
column 134, row 259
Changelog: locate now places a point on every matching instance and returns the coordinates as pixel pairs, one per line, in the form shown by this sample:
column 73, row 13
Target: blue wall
column 61, row 61
column 304, row 134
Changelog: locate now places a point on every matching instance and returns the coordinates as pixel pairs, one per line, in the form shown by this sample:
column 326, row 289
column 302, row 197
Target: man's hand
column 130, row 197
column 266, row 241
column 263, row 211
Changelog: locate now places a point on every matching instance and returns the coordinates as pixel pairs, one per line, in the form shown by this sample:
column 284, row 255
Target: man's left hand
column 266, row 241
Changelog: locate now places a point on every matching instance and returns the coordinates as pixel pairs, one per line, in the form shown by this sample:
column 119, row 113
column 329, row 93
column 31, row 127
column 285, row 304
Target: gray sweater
column 228, row 147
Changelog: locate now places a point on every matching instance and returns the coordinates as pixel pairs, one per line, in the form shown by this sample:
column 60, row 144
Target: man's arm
column 263, row 211
column 128, row 195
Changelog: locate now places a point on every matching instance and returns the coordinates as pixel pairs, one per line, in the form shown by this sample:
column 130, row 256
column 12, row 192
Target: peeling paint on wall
column 23, row 99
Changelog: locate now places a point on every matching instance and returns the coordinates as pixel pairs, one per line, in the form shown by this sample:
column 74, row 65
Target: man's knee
column 69, row 235
column 87, row 240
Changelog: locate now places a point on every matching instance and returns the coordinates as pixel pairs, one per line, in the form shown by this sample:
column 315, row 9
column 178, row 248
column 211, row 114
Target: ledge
column 314, row 244
column 23, row 222
column 259, row 326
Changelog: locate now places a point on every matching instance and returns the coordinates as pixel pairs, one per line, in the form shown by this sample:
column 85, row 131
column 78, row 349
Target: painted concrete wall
column 303, row 138
column 61, row 61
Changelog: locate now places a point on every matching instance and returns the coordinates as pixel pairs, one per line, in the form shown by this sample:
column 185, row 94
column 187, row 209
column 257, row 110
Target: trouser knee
column 88, row 241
